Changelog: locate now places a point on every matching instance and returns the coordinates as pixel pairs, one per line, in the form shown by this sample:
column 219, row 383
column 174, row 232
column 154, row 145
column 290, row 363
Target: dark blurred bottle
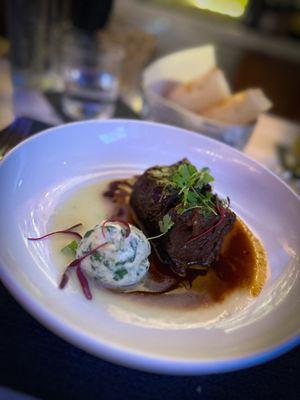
column 33, row 28
column 90, row 15
column 278, row 17
column 36, row 29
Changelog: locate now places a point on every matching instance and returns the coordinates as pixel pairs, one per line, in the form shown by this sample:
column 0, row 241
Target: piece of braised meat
column 195, row 239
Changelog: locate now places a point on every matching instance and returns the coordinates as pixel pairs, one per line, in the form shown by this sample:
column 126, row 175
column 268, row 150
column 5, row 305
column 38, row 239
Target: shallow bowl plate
column 40, row 172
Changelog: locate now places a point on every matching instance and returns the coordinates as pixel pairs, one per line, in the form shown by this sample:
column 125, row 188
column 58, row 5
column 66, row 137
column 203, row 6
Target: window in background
column 233, row 8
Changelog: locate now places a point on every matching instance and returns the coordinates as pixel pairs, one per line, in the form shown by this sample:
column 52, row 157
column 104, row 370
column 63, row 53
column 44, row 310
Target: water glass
column 91, row 78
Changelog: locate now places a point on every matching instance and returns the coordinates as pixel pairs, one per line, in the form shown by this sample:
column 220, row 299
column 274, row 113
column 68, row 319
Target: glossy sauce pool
column 240, row 272
column 242, row 265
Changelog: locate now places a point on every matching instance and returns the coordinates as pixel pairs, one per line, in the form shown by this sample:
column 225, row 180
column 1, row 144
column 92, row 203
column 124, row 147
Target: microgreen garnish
column 164, row 226
column 68, row 231
column 193, row 188
column 221, row 210
column 82, row 279
column 191, row 184
column 70, row 248
column 125, row 224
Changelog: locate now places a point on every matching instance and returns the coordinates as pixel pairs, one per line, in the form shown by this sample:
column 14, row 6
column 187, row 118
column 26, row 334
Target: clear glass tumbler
column 91, row 77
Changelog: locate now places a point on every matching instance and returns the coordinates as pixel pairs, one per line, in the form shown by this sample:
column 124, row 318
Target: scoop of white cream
column 122, row 261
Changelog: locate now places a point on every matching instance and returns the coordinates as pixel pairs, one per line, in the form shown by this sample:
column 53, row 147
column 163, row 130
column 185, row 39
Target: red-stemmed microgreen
column 82, row 279
column 119, row 221
column 68, row 231
column 221, row 211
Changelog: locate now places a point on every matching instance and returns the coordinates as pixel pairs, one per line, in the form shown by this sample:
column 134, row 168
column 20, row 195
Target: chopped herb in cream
column 122, row 261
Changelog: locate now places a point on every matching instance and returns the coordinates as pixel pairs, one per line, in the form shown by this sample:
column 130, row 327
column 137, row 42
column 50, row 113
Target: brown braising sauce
column 242, row 264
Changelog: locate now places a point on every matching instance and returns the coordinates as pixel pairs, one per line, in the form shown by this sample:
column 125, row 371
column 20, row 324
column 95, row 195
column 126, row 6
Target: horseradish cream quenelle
column 121, row 259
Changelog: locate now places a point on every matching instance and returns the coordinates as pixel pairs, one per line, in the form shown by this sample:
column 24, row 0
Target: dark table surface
column 36, row 362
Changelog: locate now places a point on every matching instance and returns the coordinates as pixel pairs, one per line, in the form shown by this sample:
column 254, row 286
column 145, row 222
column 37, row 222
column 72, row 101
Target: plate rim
column 143, row 122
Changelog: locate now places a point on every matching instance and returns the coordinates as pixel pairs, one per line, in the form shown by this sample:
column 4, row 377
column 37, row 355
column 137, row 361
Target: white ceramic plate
column 40, row 172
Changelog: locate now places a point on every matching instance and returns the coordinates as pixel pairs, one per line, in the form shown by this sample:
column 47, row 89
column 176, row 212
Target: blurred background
column 257, row 41
column 62, row 60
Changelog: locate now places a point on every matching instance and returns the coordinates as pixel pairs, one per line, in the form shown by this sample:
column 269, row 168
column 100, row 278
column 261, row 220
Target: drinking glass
column 91, row 77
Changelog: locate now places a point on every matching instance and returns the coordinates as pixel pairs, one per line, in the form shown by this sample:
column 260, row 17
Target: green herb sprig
column 191, row 185
column 190, row 182
column 70, row 249
column 164, row 226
